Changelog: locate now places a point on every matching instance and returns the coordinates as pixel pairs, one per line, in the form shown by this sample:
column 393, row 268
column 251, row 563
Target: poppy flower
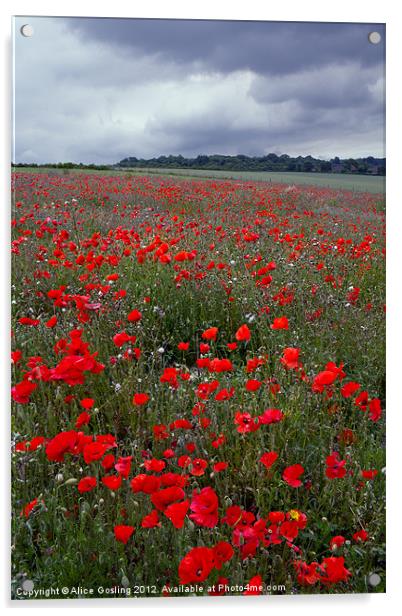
column 183, row 346
column 29, row 508
column 21, row 392
column 94, row 451
column 204, row 505
column 161, row 499
column 134, row 316
column 154, row 465
column 349, row 389
column 123, row 466
column 290, row 358
column 246, row 423
column 196, row 565
column 253, row 385
column 220, row 466
column 197, row 467
column 336, row 542
column 270, row 416
column 370, row 474
column 269, row 458
column 113, row 482
column 243, row 334
column 140, row 399
column 176, row 512
column 62, row 443
column 307, row 574
column 360, row 536
column 151, row 520
column 123, row 533
column 335, row 466
column 291, row 475
column 210, row 333
column 82, row 420
column 254, row 586
column 51, row 322
column 223, row 552
column 280, row 323
column 322, row 380
column 375, row 409
column 148, row 484
column 87, row 403
column 334, row 570
column 86, row 484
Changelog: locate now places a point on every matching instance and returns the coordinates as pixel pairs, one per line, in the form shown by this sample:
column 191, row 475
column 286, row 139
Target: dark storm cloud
column 263, row 47
column 100, row 90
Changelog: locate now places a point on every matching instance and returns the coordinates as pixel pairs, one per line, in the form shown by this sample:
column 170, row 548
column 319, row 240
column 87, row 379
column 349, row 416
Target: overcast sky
column 99, row 90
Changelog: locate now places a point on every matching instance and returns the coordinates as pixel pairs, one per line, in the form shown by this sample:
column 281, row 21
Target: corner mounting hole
column 374, row 38
column 27, row 30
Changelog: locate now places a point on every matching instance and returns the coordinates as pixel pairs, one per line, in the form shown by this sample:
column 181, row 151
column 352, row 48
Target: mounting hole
column 27, row 30
column 374, row 38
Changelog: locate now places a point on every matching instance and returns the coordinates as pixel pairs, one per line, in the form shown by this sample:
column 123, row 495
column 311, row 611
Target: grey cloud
column 101, row 90
column 263, row 47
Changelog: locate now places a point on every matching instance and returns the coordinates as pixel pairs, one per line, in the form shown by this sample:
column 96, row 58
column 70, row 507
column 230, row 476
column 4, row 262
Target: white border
column 293, row 10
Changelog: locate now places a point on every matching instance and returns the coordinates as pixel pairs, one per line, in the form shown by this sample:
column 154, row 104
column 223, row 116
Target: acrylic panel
column 198, row 308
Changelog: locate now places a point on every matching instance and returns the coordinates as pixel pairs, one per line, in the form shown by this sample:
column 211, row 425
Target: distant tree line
column 271, row 162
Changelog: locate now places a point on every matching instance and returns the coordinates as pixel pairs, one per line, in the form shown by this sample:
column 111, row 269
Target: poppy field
column 198, row 387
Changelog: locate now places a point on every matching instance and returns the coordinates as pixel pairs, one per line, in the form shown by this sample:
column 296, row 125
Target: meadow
column 344, row 181
column 198, row 386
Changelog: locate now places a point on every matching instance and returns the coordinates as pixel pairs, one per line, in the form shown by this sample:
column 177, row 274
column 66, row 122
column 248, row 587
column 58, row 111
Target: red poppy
column 51, row 322
column 140, row 399
column 196, row 565
column 280, row 323
column 155, row 465
column 360, row 536
column 322, row 380
column 165, row 497
column 177, row 512
column 269, row 458
column 243, row 333
column 291, row 475
column 134, row 316
column 183, row 346
column 21, row 392
column 123, row 466
column 62, row 443
column 204, row 505
column 123, row 533
column 220, row 466
column 253, row 385
column 246, row 423
column 210, row 334
column 334, row 570
column 94, row 451
column 255, row 586
column 223, row 552
column 349, row 389
column 335, row 466
column 197, row 467
column 290, row 358
column 86, row 484
column 82, row 420
column 336, row 542
column 113, row 482
column 87, row 403
column 270, row 416
column 151, row 520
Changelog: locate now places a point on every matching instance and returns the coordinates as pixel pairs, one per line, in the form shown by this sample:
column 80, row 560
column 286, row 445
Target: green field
column 356, row 183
